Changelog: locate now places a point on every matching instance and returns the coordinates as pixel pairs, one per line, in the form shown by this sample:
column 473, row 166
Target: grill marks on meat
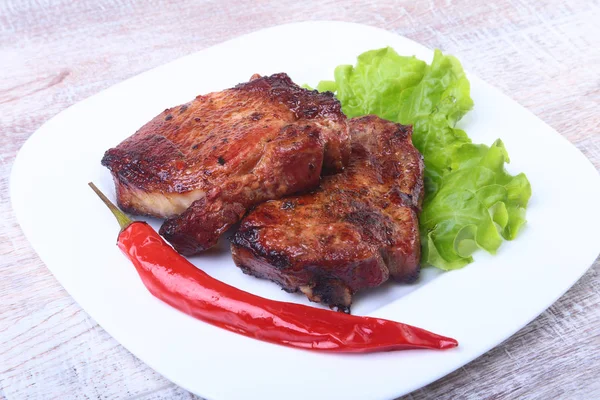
column 204, row 163
column 359, row 229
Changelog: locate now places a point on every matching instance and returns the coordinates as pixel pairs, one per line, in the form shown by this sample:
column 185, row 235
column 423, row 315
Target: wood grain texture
column 544, row 54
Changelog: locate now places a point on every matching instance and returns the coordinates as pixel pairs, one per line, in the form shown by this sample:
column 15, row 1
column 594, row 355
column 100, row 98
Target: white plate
column 480, row 305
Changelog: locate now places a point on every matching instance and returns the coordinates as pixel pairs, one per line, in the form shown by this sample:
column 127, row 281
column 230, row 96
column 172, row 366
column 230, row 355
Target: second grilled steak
column 356, row 231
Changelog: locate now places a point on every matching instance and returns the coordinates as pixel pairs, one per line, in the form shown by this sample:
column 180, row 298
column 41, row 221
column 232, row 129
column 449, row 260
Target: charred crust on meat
column 250, row 239
column 412, row 278
column 373, row 226
column 277, row 259
column 401, row 198
column 186, row 244
column 312, row 132
column 330, row 291
column 310, row 112
column 407, row 277
column 194, row 147
column 183, row 108
column 403, row 131
column 197, row 119
column 138, row 164
column 256, row 116
column 221, row 160
column 304, row 103
column 168, row 117
column 245, row 237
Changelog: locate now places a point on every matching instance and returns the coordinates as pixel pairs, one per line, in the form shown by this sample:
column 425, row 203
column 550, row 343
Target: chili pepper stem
column 123, row 220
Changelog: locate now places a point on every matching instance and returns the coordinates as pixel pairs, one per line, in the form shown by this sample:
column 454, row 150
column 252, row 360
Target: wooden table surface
column 544, row 54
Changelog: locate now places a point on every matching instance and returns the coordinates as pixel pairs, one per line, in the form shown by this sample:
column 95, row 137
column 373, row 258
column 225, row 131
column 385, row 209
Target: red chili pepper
column 174, row 280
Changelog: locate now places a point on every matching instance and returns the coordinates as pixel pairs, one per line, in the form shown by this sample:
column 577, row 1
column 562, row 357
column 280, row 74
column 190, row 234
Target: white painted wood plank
column 544, row 54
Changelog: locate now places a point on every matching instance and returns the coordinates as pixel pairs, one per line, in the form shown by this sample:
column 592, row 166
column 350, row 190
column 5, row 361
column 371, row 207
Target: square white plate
column 480, row 305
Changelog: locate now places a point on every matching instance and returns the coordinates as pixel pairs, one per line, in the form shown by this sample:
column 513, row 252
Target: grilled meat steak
column 204, row 163
column 356, row 231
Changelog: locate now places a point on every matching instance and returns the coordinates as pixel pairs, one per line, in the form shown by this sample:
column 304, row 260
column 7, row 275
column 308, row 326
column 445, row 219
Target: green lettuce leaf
column 476, row 205
column 470, row 201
